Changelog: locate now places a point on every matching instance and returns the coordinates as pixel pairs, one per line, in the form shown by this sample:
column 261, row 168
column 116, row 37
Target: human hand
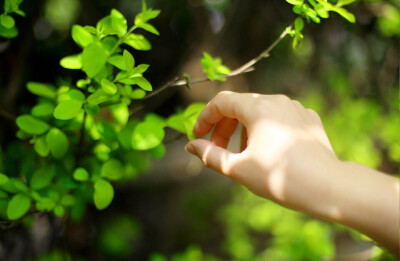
column 281, row 142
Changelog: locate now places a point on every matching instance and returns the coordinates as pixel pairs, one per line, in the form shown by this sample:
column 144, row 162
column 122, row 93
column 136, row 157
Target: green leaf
column 59, row 211
column 41, row 89
column 149, row 28
column 68, row 200
column 11, row 5
column 72, row 62
column 175, row 122
column 298, row 24
column 81, row 174
column 120, row 113
column 94, row 57
column 19, row 185
column 58, row 143
column 82, row 37
column 112, row 169
column 129, row 61
column 68, row 109
column 138, row 41
column 44, row 110
column 41, row 146
column 157, row 152
column 98, row 97
column 18, row 206
column 8, row 32
column 213, row 67
column 321, row 11
column 103, row 194
column 118, row 61
column 31, row 125
column 142, row 83
column 7, row 21
column 42, row 177
column 3, row 179
column 114, row 24
column 45, row 204
column 137, row 94
column 77, row 95
column 345, row 14
column 295, row 2
column 92, row 109
column 147, row 135
column 108, row 86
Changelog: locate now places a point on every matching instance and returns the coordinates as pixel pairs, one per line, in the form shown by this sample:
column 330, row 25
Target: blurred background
column 176, row 209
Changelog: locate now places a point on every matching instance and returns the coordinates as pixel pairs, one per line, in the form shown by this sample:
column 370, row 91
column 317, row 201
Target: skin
column 286, row 157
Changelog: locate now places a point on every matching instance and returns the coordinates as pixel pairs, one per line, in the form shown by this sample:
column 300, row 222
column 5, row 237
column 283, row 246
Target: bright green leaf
column 112, row 169
column 81, row 36
column 298, row 24
column 149, row 28
column 41, row 89
column 31, row 125
column 72, row 62
column 7, row 21
column 8, row 32
column 295, row 2
column 58, row 143
column 118, row 61
column 68, row 109
column 142, row 83
column 129, row 61
column 41, row 146
column 94, row 58
column 98, row 97
column 137, row 94
column 103, row 194
column 147, row 135
column 138, row 41
column 18, row 206
column 81, row 174
column 44, row 110
column 108, row 86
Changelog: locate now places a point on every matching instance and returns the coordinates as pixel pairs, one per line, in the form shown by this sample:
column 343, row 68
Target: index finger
column 224, row 104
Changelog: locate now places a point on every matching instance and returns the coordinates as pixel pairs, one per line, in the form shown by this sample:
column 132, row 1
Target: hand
column 286, row 157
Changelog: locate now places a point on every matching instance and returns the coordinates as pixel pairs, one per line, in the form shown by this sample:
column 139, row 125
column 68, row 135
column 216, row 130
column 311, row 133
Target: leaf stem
column 122, row 39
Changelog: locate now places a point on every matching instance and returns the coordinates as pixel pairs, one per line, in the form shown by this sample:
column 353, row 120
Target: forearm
column 363, row 199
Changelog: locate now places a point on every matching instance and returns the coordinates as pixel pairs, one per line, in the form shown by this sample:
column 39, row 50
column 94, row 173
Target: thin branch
column 247, row 67
column 122, row 39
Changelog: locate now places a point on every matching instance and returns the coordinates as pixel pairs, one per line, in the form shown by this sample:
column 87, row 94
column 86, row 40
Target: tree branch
column 247, row 67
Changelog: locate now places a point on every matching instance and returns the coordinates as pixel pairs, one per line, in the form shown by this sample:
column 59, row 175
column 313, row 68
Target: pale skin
column 286, row 157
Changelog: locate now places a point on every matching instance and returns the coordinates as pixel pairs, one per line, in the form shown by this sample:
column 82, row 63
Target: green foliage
column 7, row 22
column 214, row 68
column 78, row 152
column 314, row 10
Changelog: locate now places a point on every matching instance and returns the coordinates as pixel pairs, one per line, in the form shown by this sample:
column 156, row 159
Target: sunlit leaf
column 31, row 125
column 58, row 143
column 18, row 206
column 147, row 135
column 103, row 194
column 68, row 109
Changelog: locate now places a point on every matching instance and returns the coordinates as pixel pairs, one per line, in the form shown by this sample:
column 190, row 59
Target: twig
column 247, row 67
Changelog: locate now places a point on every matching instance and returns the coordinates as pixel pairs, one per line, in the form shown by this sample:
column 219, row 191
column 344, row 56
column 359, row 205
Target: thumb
column 212, row 156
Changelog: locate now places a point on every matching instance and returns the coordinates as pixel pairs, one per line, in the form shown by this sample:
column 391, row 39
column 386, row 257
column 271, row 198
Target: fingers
column 223, row 132
column 212, row 156
column 225, row 104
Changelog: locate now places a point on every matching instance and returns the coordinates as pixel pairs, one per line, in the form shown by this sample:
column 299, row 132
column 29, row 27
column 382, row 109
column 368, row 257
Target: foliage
column 214, row 68
column 7, row 22
column 82, row 133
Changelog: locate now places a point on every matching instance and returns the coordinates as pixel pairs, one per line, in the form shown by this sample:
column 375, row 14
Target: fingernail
column 190, row 148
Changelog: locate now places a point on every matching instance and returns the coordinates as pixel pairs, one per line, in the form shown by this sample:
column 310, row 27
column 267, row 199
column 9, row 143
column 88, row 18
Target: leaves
column 147, row 135
column 118, row 61
column 57, row 142
column 103, row 194
column 68, row 109
column 129, row 61
column 72, row 62
column 98, row 97
column 31, row 125
column 81, row 36
column 112, row 169
column 3, row 179
column 81, row 174
column 138, row 41
column 41, row 146
column 184, row 121
column 18, row 206
column 7, row 21
column 94, row 57
column 41, row 89
column 114, row 24
column 214, row 68
column 108, row 87
column 42, row 177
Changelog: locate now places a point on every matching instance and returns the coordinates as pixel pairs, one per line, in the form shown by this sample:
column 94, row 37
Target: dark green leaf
column 58, row 143
column 103, row 194
column 42, row 177
column 68, row 109
column 18, row 206
column 41, row 89
column 3, row 179
column 157, row 152
column 147, row 135
column 94, row 58
column 31, row 125
column 44, row 110
column 92, row 109
column 8, row 32
column 59, row 211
